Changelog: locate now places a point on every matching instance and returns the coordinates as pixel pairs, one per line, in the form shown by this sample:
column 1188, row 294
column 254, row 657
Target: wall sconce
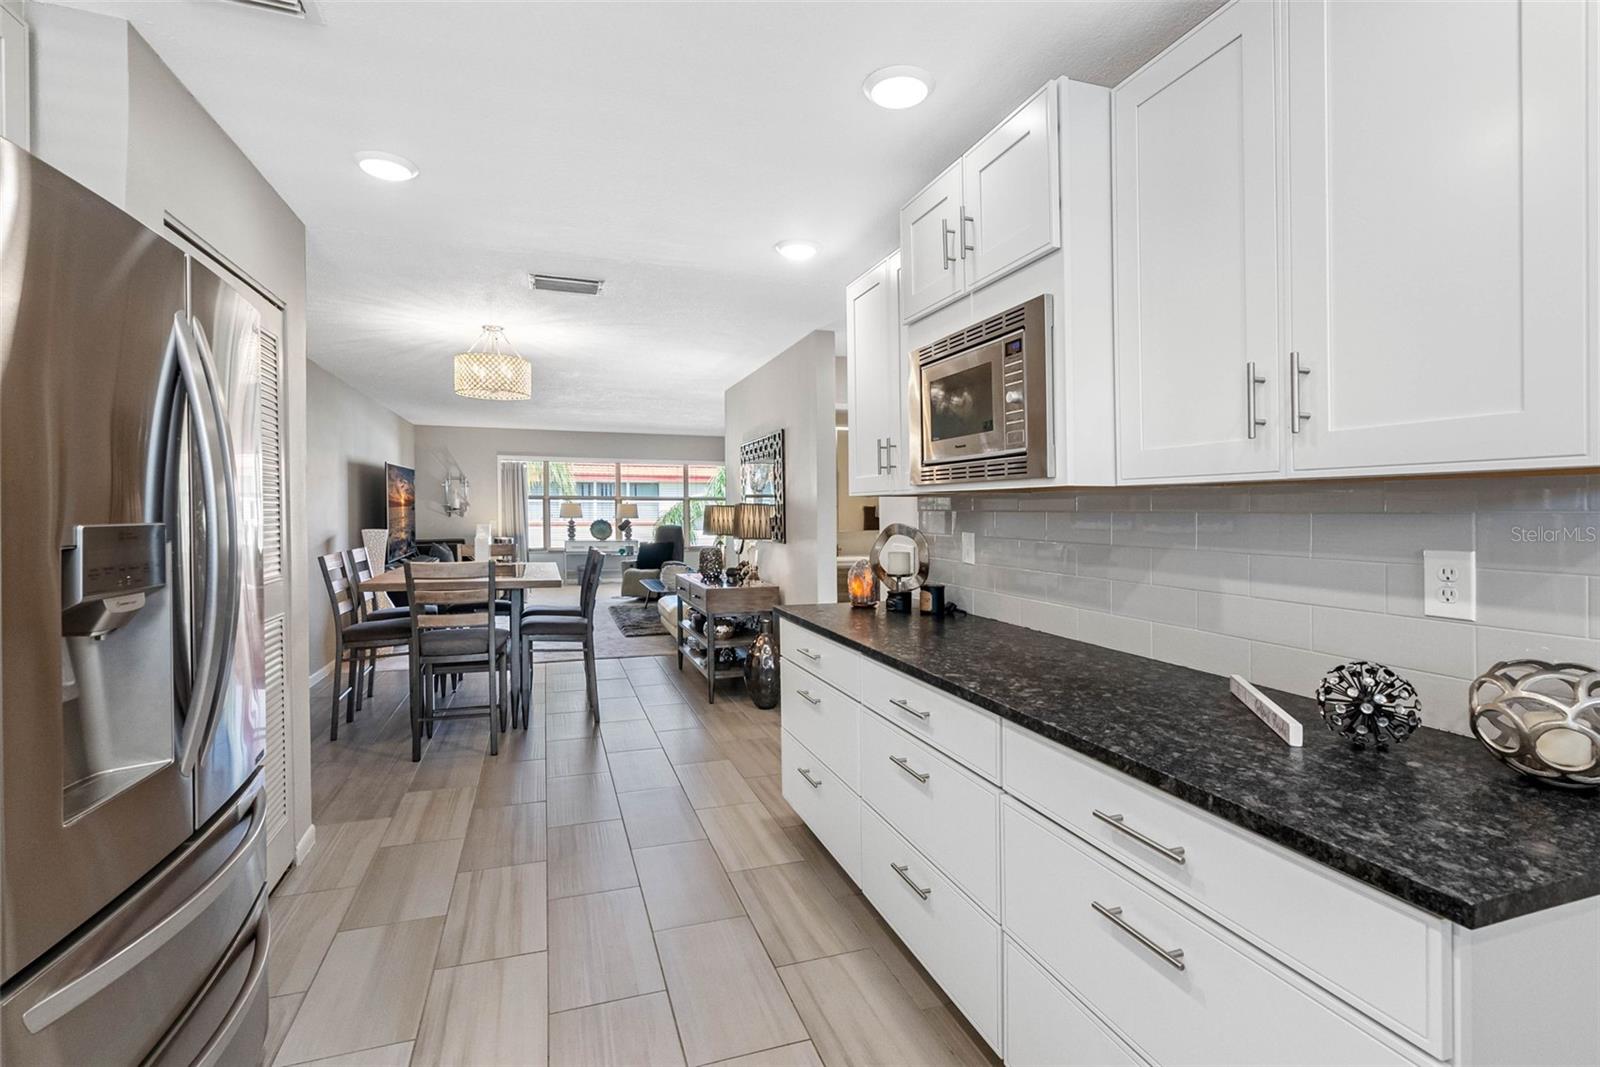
column 456, row 489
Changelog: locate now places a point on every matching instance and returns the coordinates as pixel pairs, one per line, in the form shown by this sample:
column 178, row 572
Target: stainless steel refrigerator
column 133, row 907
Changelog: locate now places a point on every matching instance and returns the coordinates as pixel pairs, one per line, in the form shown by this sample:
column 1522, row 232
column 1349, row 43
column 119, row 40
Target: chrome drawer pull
column 1174, row 956
column 811, row 699
column 806, row 774
column 903, row 706
column 900, row 761
column 901, row 869
column 1116, row 822
column 807, row 653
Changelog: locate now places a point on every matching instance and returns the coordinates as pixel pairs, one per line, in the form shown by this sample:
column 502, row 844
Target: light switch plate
column 1450, row 584
column 969, row 547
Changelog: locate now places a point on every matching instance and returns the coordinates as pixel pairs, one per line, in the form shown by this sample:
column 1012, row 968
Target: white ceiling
column 661, row 146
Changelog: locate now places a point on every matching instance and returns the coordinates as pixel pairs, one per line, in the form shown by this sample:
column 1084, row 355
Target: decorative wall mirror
column 761, row 477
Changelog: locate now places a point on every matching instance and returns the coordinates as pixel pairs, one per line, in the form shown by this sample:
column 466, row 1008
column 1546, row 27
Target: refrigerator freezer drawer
column 176, row 956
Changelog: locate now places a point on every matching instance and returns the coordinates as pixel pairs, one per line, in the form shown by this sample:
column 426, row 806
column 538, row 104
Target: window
column 662, row 493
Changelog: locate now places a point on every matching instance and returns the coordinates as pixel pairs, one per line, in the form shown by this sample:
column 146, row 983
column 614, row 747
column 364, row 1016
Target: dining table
column 513, row 578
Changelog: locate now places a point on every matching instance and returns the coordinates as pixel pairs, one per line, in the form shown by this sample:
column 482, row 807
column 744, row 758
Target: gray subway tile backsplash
column 1280, row 582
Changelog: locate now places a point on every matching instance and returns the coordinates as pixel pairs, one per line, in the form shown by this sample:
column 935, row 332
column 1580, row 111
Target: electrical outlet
column 1450, row 584
column 969, row 547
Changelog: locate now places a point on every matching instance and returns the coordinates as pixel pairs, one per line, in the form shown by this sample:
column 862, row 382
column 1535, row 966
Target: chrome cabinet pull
column 1296, row 372
column 900, row 761
column 808, row 697
column 901, row 869
column 903, row 706
column 1253, row 420
column 1119, row 824
column 966, row 246
column 807, row 653
column 1172, row 956
column 880, row 455
column 806, row 774
column 888, row 456
column 945, row 233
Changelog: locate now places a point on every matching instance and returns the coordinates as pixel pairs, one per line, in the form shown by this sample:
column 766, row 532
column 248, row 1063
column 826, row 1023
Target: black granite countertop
column 1436, row 821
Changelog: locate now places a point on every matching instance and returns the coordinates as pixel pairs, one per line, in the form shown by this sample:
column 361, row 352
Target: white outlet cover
column 1450, row 584
column 969, row 547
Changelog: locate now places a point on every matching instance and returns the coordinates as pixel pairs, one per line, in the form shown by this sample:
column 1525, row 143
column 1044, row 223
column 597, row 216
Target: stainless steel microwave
column 980, row 402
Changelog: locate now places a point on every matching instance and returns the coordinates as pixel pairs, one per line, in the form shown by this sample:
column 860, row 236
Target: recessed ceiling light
column 796, row 251
column 897, row 88
column 386, row 166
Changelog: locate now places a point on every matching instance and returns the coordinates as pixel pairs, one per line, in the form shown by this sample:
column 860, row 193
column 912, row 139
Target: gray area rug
column 637, row 620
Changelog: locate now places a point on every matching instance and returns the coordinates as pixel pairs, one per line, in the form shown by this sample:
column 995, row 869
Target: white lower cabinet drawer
column 1175, row 989
column 954, row 939
column 823, row 719
column 832, row 662
column 950, row 814
column 829, row 807
column 1047, row 1027
column 948, row 723
column 1390, row 960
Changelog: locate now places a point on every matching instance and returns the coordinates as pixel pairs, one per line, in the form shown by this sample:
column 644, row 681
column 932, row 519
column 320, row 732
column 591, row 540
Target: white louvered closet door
column 275, row 600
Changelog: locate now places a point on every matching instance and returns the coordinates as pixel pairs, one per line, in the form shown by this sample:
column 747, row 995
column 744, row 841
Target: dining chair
column 462, row 636
column 354, row 639
column 570, row 628
column 360, row 571
column 590, row 560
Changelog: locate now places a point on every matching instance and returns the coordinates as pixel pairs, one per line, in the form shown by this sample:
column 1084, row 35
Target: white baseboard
column 303, row 847
column 317, row 676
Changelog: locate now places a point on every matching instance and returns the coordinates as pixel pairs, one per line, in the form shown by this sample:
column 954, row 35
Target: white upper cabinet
column 1438, row 161
column 1195, row 235
column 13, row 78
column 1011, row 192
column 994, row 210
column 876, row 381
column 930, row 242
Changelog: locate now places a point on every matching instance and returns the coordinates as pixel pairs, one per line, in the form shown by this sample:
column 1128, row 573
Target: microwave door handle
column 231, row 577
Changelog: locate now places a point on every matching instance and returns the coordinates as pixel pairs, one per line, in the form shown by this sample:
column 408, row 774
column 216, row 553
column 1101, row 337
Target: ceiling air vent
column 551, row 283
column 296, row 8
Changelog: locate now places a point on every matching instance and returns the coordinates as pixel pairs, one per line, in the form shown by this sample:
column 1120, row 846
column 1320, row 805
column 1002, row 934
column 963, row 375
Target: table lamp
column 719, row 521
column 752, row 522
column 572, row 511
column 626, row 513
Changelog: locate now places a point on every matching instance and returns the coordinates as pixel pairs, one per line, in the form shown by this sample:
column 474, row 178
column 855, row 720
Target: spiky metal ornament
column 1368, row 704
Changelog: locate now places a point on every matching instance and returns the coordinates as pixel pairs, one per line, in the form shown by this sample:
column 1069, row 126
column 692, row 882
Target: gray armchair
column 666, row 548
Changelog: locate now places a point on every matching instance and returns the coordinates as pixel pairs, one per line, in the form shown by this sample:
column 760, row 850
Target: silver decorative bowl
column 1542, row 719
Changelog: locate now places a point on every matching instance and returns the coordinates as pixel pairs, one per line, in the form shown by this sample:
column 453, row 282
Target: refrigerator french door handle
column 222, row 438
column 215, row 495
column 253, row 934
column 53, row 1008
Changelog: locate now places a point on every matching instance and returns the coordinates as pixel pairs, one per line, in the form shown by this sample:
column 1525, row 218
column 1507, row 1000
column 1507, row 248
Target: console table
column 716, row 602
column 613, row 560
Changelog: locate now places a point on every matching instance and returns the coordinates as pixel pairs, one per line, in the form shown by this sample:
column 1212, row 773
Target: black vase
column 761, row 671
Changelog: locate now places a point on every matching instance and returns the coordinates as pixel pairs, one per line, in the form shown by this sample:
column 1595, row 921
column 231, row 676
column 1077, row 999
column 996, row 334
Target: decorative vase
column 1369, row 704
column 1542, row 719
column 711, row 563
column 761, row 672
column 480, row 544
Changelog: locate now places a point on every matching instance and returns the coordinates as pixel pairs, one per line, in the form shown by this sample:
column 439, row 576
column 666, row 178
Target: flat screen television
column 400, row 498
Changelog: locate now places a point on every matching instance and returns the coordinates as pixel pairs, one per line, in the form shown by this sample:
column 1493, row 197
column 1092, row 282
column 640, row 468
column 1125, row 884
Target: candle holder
column 1541, row 719
column 894, row 584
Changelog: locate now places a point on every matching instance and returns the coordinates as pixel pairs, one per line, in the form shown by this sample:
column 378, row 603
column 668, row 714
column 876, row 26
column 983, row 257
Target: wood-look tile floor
column 634, row 894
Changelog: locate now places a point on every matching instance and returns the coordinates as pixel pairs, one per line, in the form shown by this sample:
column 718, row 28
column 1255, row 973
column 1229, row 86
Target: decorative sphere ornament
column 1542, row 719
column 1369, row 704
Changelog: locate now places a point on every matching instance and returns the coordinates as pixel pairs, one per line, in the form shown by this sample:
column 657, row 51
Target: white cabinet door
column 876, row 382
column 930, row 241
column 1195, row 231
column 1011, row 192
column 1437, row 168
column 13, row 78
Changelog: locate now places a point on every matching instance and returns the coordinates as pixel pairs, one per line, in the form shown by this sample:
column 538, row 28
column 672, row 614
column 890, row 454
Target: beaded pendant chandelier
column 492, row 370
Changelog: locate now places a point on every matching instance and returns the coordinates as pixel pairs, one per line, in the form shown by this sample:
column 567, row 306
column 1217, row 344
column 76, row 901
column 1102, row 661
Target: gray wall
column 108, row 112
column 794, row 391
column 1280, row 582
column 349, row 437
column 476, row 452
